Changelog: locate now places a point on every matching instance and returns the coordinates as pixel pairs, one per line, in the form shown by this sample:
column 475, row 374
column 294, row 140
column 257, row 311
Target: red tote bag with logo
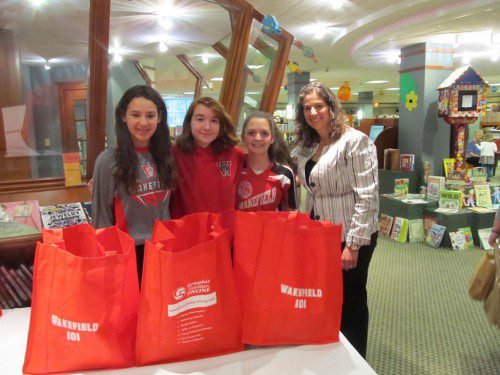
column 85, row 301
column 289, row 277
column 189, row 306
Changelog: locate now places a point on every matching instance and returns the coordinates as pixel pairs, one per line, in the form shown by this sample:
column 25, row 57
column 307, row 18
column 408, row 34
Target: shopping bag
column 188, row 305
column 289, row 278
column 492, row 302
column 84, row 302
column 483, row 278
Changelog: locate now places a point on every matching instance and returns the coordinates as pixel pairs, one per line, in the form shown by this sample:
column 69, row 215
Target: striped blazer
column 344, row 185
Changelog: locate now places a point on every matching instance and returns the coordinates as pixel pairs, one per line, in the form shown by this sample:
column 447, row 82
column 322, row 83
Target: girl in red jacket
column 207, row 160
column 266, row 183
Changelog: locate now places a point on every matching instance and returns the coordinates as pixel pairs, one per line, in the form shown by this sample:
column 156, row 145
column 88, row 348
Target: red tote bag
column 189, row 306
column 289, row 277
column 85, row 301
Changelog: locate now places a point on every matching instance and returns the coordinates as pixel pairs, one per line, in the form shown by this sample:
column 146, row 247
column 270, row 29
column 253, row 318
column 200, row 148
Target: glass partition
column 43, row 68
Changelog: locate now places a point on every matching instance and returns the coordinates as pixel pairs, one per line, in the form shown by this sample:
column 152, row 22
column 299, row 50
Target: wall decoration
column 411, row 101
column 294, row 67
column 270, row 25
column 459, row 104
column 344, row 93
column 306, row 50
column 407, row 85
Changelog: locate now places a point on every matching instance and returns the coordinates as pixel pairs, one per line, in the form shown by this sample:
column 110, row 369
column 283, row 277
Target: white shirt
column 487, row 148
column 344, row 185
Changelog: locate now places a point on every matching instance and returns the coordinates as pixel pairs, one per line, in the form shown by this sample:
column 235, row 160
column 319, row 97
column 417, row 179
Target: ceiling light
column 392, row 88
column 252, row 92
column 37, row 3
column 162, row 47
column 204, row 58
column 494, row 56
column 189, row 93
column 313, row 79
column 376, row 81
column 255, row 67
column 319, row 29
column 466, row 58
column 117, row 58
column 336, row 4
column 217, row 79
column 392, row 57
column 334, row 88
column 355, row 93
column 494, row 84
column 47, row 65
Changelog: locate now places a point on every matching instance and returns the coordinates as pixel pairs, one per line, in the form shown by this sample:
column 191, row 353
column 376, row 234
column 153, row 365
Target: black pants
column 139, row 256
column 473, row 160
column 354, row 323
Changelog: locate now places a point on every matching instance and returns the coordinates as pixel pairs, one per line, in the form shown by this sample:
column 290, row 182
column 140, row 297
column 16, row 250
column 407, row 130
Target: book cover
column 426, row 167
column 385, row 223
column 448, row 164
column 62, row 215
column 483, row 195
column 458, row 240
column 400, row 229
column 407, row 162
column 416, row 230
column 435, row 235
column 484, row 235
column 468, row 196
column 455, row 179
column 434, row 185
column 495, row 196
column 19, row 219
column 468, row 236
column 87, row 207
column 478, row 174
column 428, row 221
column 450, row 200
column 401, row 186
column 71, row 164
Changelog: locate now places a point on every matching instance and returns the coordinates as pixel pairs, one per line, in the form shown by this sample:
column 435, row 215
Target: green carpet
column 421, row 318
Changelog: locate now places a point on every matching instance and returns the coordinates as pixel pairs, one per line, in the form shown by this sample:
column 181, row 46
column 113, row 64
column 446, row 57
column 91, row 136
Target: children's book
column 426, row 167
column 449, row 201
column 385, row 224
column 458, row 240
column 483, row 195
column 428, row 221
column 478, row 174
column 435, row 235
column 72, row 174
column 407, row 162
column 468, row 196
column 455, row 179
column 495, row 196
column 468, row 236
column 19, row 219
column 87, row 207
column 434, row 185
column 448, row 165
column 401, row 186
column 484, row 235
column 399, row 229
column 416, row 230
column 62, row 215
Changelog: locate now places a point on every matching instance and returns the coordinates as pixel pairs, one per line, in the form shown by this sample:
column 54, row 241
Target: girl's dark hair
column 159, row 145
column 278, row 151
column 227, row 135
column 306, row 134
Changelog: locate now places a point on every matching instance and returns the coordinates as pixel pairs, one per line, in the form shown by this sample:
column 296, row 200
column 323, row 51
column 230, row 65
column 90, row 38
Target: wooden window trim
column 200, row 79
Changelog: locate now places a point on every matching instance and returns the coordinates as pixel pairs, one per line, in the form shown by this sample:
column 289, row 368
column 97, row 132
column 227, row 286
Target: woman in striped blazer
column 338, row 167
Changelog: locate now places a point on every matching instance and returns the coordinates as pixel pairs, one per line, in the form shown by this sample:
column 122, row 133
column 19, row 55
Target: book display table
column 395, row 207
column 338, row 358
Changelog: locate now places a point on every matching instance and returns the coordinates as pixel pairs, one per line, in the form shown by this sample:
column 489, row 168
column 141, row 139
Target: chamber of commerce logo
column 244, row 189
column 179, row 293
column 224, row 167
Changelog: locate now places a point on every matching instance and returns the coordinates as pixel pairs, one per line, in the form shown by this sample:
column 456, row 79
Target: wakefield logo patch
column 149, row 170
column 244, row 189
column 224, row 168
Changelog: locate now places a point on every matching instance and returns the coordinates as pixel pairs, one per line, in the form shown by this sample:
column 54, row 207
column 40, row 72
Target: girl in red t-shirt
column 207, row 160
column 266, row 182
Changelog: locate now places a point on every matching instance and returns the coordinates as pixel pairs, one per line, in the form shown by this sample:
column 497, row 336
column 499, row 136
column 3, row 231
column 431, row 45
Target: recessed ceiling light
column 37, row 3
column 392, row 88
column 189, row 93
column 334, row 88
column 252, row 92
column 255, row 67
column 377, row 81
column 355, row 93
column 494, row 84
column 313, row 79
column 218, row 79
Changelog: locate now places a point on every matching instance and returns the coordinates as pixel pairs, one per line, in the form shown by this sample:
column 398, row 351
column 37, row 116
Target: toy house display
column 460, row 97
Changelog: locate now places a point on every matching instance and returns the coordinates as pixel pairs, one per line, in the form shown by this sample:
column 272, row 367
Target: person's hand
column 90, row 185
column 349, row 258
column 493, row 238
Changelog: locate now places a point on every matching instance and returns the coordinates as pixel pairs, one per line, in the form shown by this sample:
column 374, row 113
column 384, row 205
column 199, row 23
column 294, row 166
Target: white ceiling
column 357, row 35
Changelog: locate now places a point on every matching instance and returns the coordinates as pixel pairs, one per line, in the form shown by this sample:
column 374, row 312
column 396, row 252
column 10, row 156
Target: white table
column 338, row 358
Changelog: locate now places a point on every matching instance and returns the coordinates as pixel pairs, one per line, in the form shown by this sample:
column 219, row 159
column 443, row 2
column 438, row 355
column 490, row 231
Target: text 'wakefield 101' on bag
column 85, row 301
column 189, row 307
column 289, row 277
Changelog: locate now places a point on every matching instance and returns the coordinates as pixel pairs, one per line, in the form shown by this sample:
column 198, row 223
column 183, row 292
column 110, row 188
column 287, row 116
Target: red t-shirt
column 206, row 180
column 271, row 190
